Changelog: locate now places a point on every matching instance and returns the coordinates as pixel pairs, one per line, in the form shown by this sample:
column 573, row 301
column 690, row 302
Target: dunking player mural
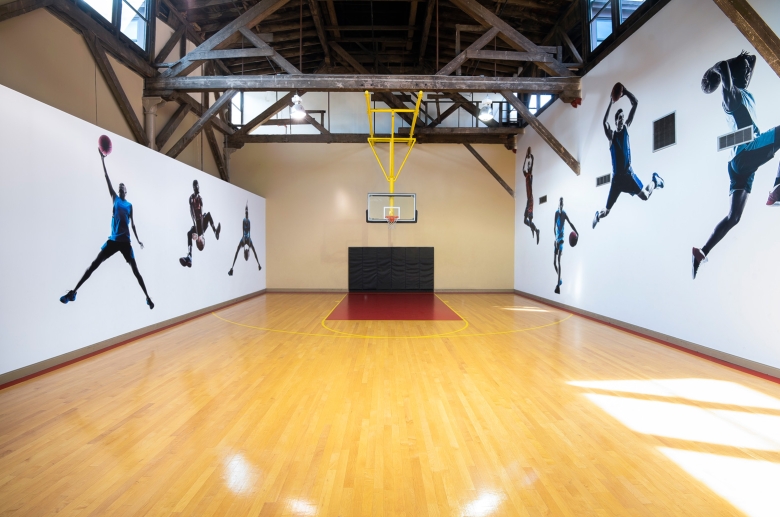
column 200, row 223
column 623, row 177
column 733, row 76
column 119, row 240
column 560, row 222
column 246, row 243
column 528, row 216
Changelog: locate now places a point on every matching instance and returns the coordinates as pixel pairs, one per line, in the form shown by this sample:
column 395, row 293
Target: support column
column 150, row 114
column 228, row 152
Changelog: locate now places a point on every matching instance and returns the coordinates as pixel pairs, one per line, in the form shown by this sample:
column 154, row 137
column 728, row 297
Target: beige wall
column 45, row 59
column 316, row 202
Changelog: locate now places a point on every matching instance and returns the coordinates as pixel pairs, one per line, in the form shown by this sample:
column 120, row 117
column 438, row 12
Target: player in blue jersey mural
column 246, row 243
column 623, row 177
column 119, row 241
column 560, row 221
column 734, row 76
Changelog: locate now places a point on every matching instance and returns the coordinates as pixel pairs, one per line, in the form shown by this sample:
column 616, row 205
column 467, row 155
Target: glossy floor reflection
column 267, row 409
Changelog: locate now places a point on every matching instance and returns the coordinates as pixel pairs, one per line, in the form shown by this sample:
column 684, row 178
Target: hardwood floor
column 265, row 409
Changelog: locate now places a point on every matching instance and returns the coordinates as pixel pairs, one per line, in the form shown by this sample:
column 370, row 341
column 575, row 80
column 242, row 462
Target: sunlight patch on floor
column 701, row 390
column 750, row 485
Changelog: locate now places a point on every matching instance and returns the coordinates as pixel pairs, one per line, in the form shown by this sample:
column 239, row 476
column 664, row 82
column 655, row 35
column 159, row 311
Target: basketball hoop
column 392, row 219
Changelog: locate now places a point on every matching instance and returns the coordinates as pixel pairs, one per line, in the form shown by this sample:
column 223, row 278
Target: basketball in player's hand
column 710, row 81
column 200, row 242
column 573, row 238
column 104, row 144
column 617, row 92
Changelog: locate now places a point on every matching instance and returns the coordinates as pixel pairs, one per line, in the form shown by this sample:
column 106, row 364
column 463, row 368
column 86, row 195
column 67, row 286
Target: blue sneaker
column 658, row 180
column 70, row 296
column 560, row 282
column 149, row 302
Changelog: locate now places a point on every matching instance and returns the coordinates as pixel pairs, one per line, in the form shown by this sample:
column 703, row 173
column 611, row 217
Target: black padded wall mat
column 391, row 269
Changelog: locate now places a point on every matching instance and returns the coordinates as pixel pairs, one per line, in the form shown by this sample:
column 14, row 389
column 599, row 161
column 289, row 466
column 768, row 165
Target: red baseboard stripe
column 681, row 348
column 115, row 345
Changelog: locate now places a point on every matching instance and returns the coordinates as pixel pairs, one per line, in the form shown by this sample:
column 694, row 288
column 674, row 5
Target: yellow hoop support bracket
column 391, row 175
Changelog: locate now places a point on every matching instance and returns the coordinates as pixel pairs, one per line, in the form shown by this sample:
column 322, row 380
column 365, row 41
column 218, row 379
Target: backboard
column 381, row 206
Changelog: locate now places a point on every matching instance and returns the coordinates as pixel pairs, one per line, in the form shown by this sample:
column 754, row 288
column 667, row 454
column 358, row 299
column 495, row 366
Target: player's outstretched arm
column 132, row 224
column 571, row 224
column 634, row 104
column 105, row 172
column 607, row 129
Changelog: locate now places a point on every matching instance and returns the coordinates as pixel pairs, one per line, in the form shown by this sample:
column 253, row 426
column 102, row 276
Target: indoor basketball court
column 399, row 258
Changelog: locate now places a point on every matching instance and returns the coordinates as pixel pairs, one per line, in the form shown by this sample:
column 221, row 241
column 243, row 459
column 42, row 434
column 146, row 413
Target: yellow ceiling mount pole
column 391, row 175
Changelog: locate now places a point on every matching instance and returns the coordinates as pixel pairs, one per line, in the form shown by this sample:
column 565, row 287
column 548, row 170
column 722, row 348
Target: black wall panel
column 390, row 269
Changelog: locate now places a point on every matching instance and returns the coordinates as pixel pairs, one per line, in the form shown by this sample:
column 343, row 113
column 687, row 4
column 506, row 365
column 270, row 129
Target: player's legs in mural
column 528, row 220
column 742, row 171
column 774, row 194
column 109, row 248
column 557, row 264
column 630, row 184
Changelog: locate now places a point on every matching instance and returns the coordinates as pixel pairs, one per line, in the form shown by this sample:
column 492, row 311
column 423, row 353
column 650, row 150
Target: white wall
column 56, row 213
column 636, row 265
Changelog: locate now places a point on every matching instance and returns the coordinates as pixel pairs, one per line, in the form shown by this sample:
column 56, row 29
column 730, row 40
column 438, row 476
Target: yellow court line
column 340, row 334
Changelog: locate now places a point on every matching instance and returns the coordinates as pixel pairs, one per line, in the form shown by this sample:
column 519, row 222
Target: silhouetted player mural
column 119, row 240
column 528, row 171
column 200, row 223
column 623, row 177
column 734, row 75
column 560, row 221
column 246, row 243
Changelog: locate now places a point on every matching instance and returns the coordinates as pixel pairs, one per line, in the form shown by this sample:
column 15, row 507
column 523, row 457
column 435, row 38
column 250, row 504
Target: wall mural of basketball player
column 200, row 223
column 119, row 240
column 246, row 243
column 528, row 216
column 734, row 75
column 623, row 177
column 560, row 221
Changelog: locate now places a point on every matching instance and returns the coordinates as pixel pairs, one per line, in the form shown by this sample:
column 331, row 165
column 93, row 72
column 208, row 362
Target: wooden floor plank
column 267, row 409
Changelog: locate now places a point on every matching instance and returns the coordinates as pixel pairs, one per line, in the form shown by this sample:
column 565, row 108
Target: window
column 537, row 102
column 237, row 112
column 605, row 15
column 129, row 16
column 664, row 133
column 600, row 21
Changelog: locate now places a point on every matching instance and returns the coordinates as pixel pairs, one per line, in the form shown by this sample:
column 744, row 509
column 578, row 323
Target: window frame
column 114, row 24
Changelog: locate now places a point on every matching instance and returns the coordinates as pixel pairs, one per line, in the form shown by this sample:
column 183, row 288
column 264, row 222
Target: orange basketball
column 104, row 144
column 617, row 92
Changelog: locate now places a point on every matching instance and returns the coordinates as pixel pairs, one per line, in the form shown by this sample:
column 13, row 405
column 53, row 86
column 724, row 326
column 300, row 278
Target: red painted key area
column 392, row 306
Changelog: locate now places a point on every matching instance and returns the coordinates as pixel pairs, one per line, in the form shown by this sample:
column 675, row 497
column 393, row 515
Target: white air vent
column 738, row 137
column 664, row 134
column 603, row 180
column 542, row 199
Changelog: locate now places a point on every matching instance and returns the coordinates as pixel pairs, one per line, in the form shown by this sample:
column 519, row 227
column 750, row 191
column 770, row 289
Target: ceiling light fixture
column 297, row 112
column 486, row 111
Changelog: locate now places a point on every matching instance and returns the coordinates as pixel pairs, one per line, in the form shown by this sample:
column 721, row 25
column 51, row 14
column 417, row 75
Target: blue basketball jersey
column 740, row 108
column 246, row 228
column 560, row 221
column 120, row 230
column 621, row 152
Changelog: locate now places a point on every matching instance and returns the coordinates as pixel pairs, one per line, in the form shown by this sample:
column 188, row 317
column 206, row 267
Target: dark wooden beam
column 218, row 158
column 247, row 20
column 380, row 28
column 441, row 116
column 351, row 61
column 190, row 32
column 233, row 53
column 170, row 44
column 263, row 117
column 509, row 34
column 319, row 24
column 75, row 17
column 255, row 40
column 426, row 29
column 427, row 130
column 359, row 138
column 171, row 125
column 461, row 58
column 505, row 55
column 13, row 9
column 412, row 23
column 573, row 49
column 471, row 108
column 490, row 169
column 197, row 109
column 102, row 62
column 332, row 15
column 191, row 133
column 755, row 29
column 359, row 83
column 543, row 132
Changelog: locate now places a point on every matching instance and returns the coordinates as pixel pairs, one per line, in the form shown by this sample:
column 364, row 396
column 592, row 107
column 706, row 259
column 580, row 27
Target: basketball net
column 391, row 220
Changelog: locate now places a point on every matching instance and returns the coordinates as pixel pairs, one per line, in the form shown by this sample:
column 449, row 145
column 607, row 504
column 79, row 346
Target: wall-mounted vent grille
column 664, row 133
column 603, row 180
column 542, row 199
column 739, row 137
